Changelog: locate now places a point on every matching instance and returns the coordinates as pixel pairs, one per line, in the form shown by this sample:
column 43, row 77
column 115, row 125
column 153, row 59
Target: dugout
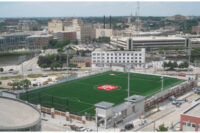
column 108, row 115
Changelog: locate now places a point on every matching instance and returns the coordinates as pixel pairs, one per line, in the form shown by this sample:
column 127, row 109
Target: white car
column 81, row 129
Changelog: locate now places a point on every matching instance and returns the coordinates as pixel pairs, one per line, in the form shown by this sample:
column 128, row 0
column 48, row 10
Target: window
column 135, row 57
column 115, row 57
column 140, row 54
column 188, row 124
column 103, row 54
column 94, row 54
column 199, row 126
column 127, row 57
column 193, row 125
column 135, row 54
column 184, row 123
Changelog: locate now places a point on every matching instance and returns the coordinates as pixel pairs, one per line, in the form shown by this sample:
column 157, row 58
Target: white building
column 107, row 58
column 104, row 33
column 152, row 42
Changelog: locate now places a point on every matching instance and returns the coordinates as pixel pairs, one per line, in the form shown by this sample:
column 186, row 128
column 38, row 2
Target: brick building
column 190, row 119
column 65, row 35
column 81, row 61
column 38, row 40
column 196, row 29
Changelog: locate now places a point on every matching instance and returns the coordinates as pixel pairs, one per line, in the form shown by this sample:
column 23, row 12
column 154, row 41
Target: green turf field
column 79, row 96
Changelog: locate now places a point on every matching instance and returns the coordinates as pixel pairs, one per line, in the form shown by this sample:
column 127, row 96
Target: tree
column 72, row 65
column 103, row 40
column 60, row 50
column 26, row 83
column 44, row 47
column 184, row 65
column 1, row 69
column 165, row 64
column 55, row 65
column 162, row 128
column 16, row 85
column 52, row 43
column 74, row 42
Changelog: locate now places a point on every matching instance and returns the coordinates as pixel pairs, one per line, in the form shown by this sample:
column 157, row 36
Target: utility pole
column 189, row 53
column 23, row 73
column 67, row 65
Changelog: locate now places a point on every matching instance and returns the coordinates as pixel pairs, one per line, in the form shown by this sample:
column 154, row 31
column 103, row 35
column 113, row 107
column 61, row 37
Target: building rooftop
column 40, row 35
column 80, row 57
column 104, row 105
column 121, row 107
column 194, row 110
column 147, row 38
column 134, row 98
column 16, row 114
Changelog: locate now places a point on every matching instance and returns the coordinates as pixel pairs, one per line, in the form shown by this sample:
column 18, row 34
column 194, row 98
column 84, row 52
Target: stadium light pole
column 128, row 69
column 162, row 78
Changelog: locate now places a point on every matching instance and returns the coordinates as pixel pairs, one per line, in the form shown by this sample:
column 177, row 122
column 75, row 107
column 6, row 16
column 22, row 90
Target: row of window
column 111, row 54
column 98, row 61
column 116, row 58
column 189, row 124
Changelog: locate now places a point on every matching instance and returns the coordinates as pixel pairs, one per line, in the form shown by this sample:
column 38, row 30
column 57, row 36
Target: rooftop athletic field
column 79, row 96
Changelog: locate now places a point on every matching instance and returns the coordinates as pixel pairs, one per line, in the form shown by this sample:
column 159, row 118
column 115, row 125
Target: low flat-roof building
column 39, row 40
column 190, row 119
column 108, row 115
column 81, row 61
column 152, row 42
column 14, row 40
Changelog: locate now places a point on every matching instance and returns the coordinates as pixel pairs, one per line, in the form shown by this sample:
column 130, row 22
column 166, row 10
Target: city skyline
column 87, row 9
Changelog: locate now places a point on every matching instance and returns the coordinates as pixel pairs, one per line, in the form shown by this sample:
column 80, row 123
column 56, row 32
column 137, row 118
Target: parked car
column 177, row 103
column 81, row 129
column 29, row 69
column 10, row 70
column 172, row 98
column 129, row 127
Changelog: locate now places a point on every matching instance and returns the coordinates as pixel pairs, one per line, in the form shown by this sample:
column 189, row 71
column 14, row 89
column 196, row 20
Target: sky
column 84, row 9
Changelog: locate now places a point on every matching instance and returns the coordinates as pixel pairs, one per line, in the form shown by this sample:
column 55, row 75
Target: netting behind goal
column 59, row 103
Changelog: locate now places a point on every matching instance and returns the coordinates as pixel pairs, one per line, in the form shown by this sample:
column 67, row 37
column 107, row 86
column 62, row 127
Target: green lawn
column 79, row 96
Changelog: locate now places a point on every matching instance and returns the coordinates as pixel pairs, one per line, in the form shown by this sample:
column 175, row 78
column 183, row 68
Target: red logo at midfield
column 107, row 87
